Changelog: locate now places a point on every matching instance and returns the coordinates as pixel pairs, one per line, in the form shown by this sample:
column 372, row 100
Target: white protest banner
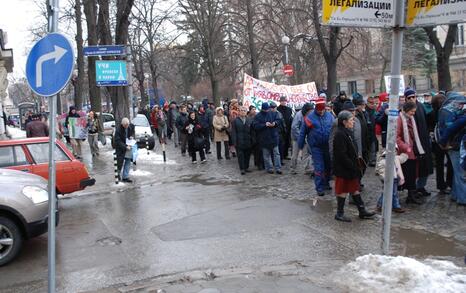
column 77, row 127
column 360, row 13
column 435, row 12
column 255, row 92
column 388, row 79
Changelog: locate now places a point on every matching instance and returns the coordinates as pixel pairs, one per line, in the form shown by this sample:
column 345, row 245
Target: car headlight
column 36, row 194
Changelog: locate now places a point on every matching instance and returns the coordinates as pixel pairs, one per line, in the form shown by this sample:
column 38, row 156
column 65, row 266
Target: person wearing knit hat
column 266, row 125
column 348, row 106
column 338, row 104
column 346, row 168
column 287, row 115
column 316, row 131
column 409, row 92
column 361, row 132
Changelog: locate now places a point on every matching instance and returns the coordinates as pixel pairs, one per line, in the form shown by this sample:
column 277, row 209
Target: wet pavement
column 187, row 228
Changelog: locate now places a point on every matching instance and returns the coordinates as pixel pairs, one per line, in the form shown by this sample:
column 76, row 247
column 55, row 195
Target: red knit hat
column 320, row 105
column 383, row 97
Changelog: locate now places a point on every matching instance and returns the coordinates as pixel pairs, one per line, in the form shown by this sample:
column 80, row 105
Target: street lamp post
column 286, row 42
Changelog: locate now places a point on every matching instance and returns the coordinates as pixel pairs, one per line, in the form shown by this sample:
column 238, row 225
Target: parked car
column 13, row 120
column 141, row 129
column 109, row 123
column 31, row 155
column 23, row 211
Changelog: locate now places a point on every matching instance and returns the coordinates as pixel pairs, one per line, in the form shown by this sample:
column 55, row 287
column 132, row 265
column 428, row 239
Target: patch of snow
column 139, row 173
column 143, row 157
column 16, row 132
column 377, row 273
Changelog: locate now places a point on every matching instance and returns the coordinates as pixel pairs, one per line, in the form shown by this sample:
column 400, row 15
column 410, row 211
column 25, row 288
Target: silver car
column 23, row 211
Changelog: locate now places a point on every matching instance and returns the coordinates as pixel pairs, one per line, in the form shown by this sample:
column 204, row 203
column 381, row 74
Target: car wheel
column 11, row 240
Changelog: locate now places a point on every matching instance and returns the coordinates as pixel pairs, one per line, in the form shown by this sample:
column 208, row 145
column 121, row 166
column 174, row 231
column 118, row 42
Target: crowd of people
column 337, row 139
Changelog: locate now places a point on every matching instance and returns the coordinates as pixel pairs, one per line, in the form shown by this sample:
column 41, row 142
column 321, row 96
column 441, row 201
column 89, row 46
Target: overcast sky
column 16, row 17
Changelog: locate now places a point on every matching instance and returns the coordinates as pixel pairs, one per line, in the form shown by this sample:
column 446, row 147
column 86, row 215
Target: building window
column 352, row 87
column 412, row 81
column 459, row 41
column 370, row 86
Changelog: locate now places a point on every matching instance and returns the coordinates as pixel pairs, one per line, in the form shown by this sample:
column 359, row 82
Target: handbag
column 362, row 164
column 102, row 138
column 199, row 142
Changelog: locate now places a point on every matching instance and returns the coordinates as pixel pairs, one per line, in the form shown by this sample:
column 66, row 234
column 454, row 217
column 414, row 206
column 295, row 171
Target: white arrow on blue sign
column 50, row 64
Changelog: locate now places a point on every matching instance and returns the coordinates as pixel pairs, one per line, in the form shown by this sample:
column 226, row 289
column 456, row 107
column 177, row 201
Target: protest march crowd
column 335, row 138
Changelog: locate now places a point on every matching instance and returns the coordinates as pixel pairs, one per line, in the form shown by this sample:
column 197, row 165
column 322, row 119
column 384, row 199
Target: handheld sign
column 50, row 64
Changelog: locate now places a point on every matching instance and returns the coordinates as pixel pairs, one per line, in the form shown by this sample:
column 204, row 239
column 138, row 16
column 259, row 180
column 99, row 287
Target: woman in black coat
column 346, row 167
column 195, row 137
column 241, row 135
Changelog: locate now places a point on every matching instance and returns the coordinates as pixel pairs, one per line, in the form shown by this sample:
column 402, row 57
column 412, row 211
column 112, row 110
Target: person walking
column 296, row 125
column 93, row 130
column 361, row 133
column 338, row 103
column 204, row 120
column 180, row 122
column 196, row 139
column 172, row 116
column 287, row 115
column 316, row 130
column 266, row 124
column 124, row 137
column 256, row 148
column 346, row 168
column 408, row 142
column 242, row 139
column 75, row 142
column 221, row 125
column 36, row 128
column 233, row 113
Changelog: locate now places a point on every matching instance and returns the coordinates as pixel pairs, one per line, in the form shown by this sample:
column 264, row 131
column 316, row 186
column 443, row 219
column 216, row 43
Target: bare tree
column 79, row 81
column 443, row 54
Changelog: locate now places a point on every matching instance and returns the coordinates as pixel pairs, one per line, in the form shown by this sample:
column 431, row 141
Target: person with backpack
column 451, row 129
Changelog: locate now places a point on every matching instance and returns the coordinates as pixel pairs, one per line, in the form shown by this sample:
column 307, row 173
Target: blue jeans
column 266, row 154
column 321, row 160
column 126, row 167
column 458, row 190
column 395, row 198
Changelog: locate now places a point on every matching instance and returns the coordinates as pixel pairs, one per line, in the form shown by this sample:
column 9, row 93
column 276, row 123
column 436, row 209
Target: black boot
column 413, row 197
column 363, row 214
column 219, row 150
column 340, row 216
column 423, row 192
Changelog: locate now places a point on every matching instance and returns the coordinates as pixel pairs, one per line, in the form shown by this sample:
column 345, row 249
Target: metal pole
column 286, row 53
column 130, row 79
column 53, row 27
column 397, row 44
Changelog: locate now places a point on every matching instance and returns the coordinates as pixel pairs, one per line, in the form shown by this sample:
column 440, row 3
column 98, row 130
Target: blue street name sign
column 113, row 50
column 50, row 64
column 111, row 73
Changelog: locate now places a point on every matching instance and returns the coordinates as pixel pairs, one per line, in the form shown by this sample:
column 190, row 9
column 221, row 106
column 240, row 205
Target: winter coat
column 382, row 119
column 338, row 105
column 221, row 126
column 364, row 136
column 241, row 133
column 426, row 165
column 267, row 137
column 317, row 130
column 345, row 158
column 37, row 128
column 406, row 147
column 203, row 119
column 287, row 114
column 93, row 126
column 298, row 121
column 194, row 135
column 181, row 121
column 120, row 139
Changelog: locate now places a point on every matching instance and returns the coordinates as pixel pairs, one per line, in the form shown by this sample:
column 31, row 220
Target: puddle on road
column 207, row 181
column 410, row 242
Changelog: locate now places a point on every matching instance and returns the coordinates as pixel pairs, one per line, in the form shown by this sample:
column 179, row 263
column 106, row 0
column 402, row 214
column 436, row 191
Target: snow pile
column 152, row 158
column 16, row 132
column 376, row 273
column 138, row 173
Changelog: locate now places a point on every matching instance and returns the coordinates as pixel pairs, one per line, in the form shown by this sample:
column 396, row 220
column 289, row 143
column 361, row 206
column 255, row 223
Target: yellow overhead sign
column 363, row 13
column 435, row 12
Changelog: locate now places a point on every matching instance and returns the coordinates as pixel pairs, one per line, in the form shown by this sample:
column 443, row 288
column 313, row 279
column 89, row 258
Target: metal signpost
column 49, row 67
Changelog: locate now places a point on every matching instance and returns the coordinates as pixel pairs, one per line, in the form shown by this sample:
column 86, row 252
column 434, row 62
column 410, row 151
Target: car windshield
column 141, row 121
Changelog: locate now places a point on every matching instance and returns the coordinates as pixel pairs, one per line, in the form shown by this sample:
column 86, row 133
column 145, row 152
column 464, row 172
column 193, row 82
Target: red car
column 32, row 155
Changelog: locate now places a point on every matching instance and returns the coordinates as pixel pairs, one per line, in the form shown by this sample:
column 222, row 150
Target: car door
column 64, row 168
column 14, row 157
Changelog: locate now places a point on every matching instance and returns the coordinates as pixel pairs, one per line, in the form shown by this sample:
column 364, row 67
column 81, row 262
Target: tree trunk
column 90, row 10
column 443, row 72
column 382, row 76
column 120, row 102
column 78, row 90
column 331, row 77
column 251, row 39
column 215, row 97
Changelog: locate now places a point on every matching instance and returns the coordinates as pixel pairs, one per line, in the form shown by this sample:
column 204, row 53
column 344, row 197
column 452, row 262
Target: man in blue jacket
column 316, row 128
column 266, row 124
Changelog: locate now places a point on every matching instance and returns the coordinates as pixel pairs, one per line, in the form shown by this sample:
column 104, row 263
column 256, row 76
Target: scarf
column 416, row 134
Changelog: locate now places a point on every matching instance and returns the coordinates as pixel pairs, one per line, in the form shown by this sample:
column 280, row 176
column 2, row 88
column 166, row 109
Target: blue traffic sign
column 112, row 50
column 111, row 73
column 50, row 64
